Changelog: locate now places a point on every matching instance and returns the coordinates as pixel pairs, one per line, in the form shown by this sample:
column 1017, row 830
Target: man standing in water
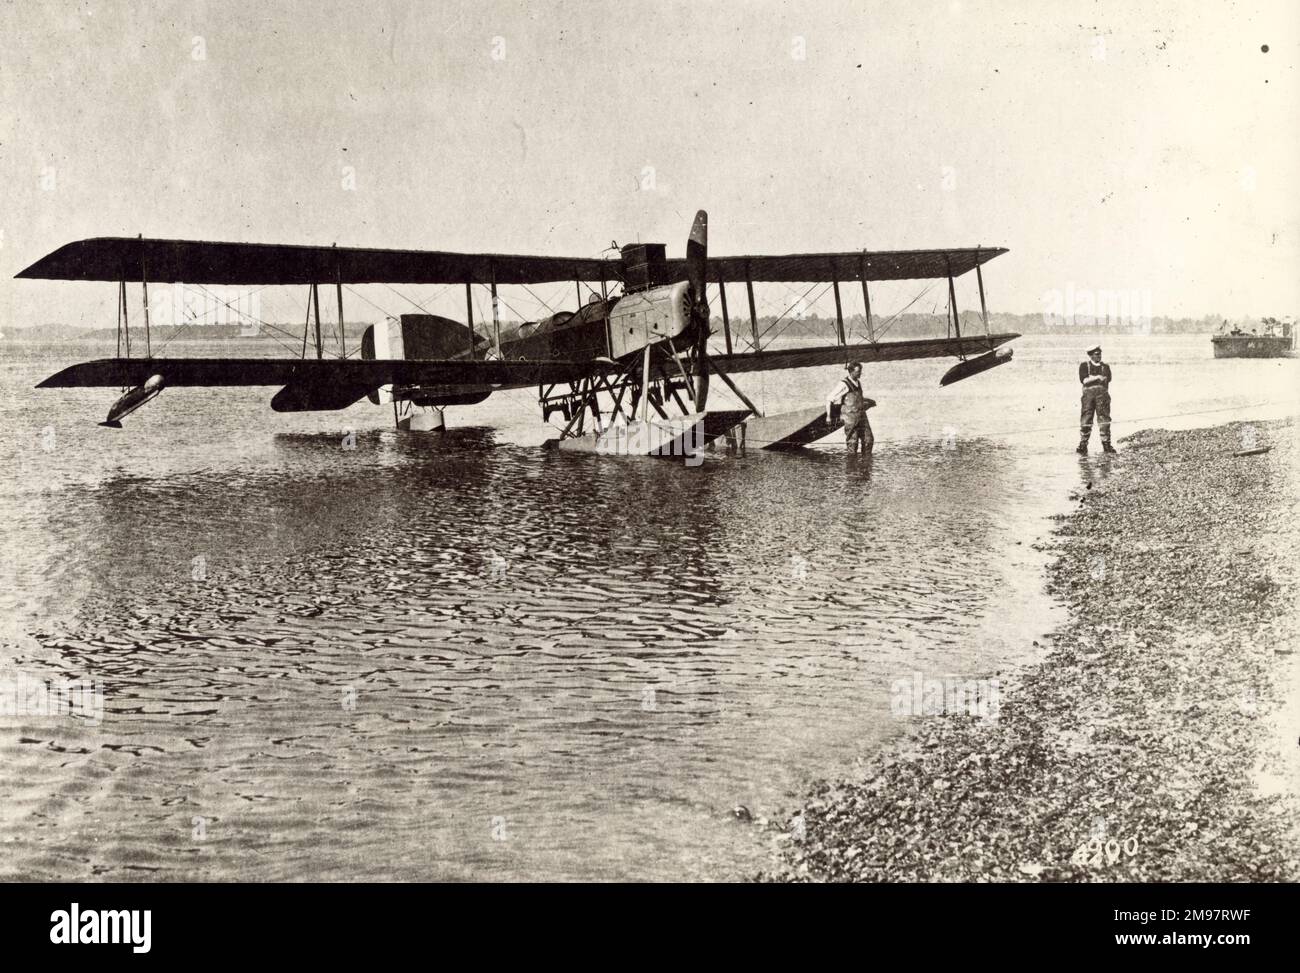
column 847, row 394
column 1094, row 375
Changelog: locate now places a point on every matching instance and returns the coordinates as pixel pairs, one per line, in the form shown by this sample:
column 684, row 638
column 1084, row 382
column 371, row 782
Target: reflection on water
column 459, row 656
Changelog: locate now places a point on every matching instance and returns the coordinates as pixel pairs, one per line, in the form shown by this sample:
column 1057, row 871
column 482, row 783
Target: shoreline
column 1155, row 739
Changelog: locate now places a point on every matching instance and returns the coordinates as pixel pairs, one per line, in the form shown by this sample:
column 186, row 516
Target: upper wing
column 320, row 372
column 845, row 266
column 203, row 262
column 874, row 351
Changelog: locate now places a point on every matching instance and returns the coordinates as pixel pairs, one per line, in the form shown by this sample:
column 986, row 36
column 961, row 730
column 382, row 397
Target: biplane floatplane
column 629, row 373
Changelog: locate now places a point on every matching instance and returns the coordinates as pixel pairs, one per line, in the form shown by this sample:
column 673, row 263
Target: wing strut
column 496, row 318
column 123, row 321
column 144, row 281
column 315, row 300
column 866, row 298
column 753, row 318
column 469, row 316
column 726, row 380
column 984, row 309
column 952, row 308
column 726, row 320
column 839, row 313
column 338, row 291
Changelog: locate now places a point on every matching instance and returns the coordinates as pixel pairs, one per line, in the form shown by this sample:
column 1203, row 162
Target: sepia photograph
column 650, row 442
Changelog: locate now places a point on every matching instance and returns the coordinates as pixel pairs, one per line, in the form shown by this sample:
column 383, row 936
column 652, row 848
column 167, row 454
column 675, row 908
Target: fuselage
column 617, row 328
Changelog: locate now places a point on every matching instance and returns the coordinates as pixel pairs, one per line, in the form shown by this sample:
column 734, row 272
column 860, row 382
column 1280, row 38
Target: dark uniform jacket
column 1087, row 368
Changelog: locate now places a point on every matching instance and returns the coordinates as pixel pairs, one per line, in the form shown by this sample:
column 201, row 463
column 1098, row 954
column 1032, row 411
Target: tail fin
column 417, row 336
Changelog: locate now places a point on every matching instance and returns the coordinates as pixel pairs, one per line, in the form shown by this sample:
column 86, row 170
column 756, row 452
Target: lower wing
column 336, row 383
column 211, row 372
column 871, row 351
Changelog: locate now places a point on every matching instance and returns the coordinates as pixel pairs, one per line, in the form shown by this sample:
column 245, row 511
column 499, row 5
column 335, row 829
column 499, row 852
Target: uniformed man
column 1094, row 376
column 853, row 405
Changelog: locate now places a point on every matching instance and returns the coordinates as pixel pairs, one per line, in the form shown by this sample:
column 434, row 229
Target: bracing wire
column 802, row 298
column 548, row 307
column 250, row 317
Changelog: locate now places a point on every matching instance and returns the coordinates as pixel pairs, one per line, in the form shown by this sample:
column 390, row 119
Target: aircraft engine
column 648, row 317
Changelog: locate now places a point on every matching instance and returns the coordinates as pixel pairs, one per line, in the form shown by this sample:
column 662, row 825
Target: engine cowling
column 648, row 317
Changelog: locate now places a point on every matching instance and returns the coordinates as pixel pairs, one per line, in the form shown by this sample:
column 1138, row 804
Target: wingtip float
column 132, row 400
column 973, row 366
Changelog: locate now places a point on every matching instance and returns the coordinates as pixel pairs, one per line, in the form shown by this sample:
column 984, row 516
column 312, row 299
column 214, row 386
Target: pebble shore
column 1157, row 739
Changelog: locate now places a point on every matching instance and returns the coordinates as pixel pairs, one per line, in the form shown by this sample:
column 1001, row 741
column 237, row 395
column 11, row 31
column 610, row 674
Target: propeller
column 697, row 256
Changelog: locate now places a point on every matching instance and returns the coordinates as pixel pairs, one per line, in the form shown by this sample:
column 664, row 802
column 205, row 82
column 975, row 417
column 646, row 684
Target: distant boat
column 1250, row 344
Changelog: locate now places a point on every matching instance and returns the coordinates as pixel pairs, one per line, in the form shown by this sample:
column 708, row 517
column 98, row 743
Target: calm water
column 466, row 657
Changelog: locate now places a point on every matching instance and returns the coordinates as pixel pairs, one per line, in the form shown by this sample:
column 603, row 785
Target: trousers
column 1096, row 401
column 857, row 432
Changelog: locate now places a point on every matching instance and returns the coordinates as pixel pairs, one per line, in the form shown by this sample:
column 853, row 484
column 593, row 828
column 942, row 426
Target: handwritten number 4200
column 1096, row 853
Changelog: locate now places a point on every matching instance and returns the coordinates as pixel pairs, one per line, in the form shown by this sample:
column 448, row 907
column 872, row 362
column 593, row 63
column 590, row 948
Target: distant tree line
column 910, row 325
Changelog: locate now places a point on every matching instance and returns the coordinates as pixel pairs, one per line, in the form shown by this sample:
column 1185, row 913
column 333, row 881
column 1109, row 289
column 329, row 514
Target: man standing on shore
column 847, row 394
column 1094, row 376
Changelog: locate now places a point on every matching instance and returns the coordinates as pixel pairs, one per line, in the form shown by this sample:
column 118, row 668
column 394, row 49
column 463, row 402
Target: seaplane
column 628, row 372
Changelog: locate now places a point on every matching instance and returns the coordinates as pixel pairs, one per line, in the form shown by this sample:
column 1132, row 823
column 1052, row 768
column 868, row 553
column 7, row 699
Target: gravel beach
column 1157, row 738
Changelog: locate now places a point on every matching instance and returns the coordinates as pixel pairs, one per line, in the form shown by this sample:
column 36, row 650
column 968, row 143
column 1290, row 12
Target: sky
column 1120, row 147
